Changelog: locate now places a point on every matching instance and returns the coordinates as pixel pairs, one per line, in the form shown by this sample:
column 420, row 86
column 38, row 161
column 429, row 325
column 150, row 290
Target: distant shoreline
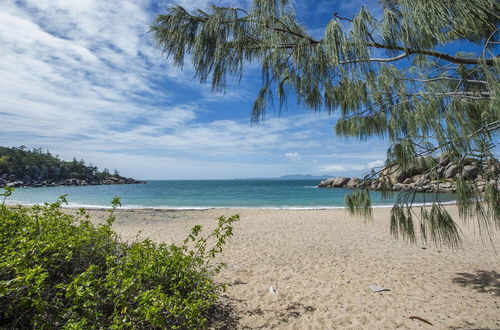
column 69, row 183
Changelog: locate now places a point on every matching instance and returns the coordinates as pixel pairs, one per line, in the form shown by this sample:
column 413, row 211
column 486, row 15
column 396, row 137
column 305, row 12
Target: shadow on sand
column 481, row 281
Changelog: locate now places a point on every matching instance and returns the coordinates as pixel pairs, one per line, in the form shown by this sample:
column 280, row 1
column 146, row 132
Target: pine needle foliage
column 384, row 75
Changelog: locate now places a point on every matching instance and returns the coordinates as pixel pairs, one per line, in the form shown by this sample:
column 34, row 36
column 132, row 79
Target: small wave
column 73, row 205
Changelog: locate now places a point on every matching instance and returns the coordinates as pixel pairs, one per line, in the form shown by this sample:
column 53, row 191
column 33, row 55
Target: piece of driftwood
column 420, row 319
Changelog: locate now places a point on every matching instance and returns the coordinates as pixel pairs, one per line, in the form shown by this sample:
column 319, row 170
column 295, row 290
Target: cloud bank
column 82, row 79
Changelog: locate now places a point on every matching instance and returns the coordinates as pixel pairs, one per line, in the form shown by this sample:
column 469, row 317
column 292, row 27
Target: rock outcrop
column 22, row 167
column 27, row 181
column 420, row 177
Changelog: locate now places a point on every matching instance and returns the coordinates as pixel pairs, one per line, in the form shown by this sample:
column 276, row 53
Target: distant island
column 22, row 167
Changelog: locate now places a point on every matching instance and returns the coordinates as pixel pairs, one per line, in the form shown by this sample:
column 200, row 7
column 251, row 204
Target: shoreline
column 70, row 183
column 202, row 208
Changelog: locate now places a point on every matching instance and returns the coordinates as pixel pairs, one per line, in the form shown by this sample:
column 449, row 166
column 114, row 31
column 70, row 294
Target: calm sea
column 180, row 194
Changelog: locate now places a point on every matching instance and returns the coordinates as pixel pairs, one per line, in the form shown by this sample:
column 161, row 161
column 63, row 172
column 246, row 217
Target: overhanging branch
column 390, row 59
column 433, row 53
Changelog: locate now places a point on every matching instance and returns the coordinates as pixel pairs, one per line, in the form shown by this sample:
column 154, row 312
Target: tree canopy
column 389, row 75
column 20, row 162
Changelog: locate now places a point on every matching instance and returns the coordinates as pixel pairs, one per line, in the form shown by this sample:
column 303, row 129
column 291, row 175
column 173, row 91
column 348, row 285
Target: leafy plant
column 59, row 270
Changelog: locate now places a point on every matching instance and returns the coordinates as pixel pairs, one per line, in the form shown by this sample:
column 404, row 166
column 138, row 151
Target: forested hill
column 20, row 166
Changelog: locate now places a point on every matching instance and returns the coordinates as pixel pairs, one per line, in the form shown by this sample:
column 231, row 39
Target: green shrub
column 61, row 271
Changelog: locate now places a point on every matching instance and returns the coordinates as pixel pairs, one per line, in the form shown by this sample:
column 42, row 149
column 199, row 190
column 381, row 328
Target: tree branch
column 336, row 15
column 433, row 53
column 390, row 59
column 448, row 78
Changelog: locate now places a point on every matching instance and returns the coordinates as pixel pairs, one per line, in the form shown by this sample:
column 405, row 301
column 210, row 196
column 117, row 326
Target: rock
column 331, row 182
column 55, row 172
column 375, row 183
column 422, row 181
column 481, row 184
column 493, row 167
column 438, row 173
column 397, row 186
column 326, row 183
column 451, row 171
column 469, row 161
column 33, row 171
column 443, row 160
column 73, row 182
column 408, row 181
column 407, row 187
column 470, row 172
column 27, row 180
column 340, row 182
column 353, row 183
column 44, row 172
column 393, row 174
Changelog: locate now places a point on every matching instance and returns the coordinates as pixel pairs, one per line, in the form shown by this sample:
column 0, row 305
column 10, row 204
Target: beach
column 320, row 263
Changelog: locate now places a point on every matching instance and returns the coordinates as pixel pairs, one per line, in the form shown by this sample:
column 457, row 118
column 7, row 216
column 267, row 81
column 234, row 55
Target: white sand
column 321, row 263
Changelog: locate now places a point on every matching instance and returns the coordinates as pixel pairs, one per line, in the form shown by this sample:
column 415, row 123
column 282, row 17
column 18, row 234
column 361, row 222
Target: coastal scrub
column 61, row 271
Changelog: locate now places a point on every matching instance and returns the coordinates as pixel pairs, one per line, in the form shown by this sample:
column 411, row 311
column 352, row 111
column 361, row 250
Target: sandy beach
column 321, row 262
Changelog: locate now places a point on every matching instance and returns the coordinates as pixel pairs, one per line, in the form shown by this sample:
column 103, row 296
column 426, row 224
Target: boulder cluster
column 46, row 177
column 420, row 177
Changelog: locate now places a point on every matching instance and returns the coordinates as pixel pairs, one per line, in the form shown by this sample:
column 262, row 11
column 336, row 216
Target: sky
column 82, row 79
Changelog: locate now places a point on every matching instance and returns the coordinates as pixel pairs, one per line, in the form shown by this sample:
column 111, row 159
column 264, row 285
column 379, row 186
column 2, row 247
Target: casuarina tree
column 389, row 73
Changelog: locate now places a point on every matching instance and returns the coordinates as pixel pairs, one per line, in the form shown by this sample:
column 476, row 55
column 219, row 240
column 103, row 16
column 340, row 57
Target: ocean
column 194, row 194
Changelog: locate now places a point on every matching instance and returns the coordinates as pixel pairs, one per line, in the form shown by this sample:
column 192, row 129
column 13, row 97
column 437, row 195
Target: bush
column 61, row 271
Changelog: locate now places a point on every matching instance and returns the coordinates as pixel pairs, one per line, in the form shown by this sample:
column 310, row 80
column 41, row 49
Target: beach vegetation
column 58, row 270
column 423, row 75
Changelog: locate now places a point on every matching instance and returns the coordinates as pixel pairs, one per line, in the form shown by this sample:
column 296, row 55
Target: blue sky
column 82, row 79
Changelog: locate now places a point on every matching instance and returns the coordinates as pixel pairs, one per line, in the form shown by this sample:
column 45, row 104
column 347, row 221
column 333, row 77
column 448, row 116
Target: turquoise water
column 204, row 194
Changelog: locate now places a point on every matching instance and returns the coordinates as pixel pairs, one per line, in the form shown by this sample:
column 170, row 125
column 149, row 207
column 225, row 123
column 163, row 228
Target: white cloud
column 339, row 168
column 376, row 163
column 82, row 79
column 293, row 156
column 203, row 4
column 350, row 167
